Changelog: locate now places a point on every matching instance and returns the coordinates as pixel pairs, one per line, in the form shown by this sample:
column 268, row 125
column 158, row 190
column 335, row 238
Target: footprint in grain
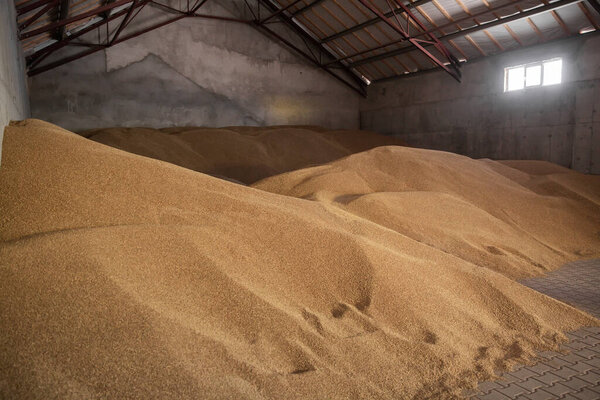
column 339, row 310
column 354, row 318
column 430, row 337
column 312, row 320
column 494, row 250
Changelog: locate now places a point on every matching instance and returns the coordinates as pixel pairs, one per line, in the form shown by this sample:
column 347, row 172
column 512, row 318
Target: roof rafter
column 588, row 15
column 37, row 15
column 595, row 4
column 513, row 34
column 32, row 5
column 372, row 21
column 294, row 25
column 437, row 28
column 75, row 18
column 283, row 9
column 451, row 64
column 306, row 8
column 63, row 13
column 515, row 17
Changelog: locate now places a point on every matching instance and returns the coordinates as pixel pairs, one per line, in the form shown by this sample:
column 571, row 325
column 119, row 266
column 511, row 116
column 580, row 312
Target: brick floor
column 576, row 284
column 572, row 376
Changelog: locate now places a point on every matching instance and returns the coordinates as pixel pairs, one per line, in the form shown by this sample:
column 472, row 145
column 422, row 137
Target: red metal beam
column 37, row 15
column 430, row 31
column 43, row 53
column 125, row 21
column 75, row 18
column 359, row 90
column 92, row 50
column 283, row 9
column 197, row 6
column 32, row 5
column 77, row 56
column 116, row 40
column 307, row 7
column 454, row 72
column 217, row 17
column 307, row 36
column 370, row 22
column 476, row 28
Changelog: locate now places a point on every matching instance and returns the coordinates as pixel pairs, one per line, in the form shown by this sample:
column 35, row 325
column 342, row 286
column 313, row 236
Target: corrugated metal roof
column 364, row 44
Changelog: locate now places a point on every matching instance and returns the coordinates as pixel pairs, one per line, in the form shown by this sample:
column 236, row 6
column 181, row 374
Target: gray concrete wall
column 14, row 102
column 555, row 123
column 192, row 72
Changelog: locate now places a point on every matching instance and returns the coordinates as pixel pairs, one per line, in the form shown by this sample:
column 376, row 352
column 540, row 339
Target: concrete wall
column 556, row 123
column 14, row 104
column 192, row 72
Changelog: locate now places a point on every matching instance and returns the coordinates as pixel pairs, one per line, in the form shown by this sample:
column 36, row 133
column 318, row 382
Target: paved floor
column 577, row 284
column 572, row 376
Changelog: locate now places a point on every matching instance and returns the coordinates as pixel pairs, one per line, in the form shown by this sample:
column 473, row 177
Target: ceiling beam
column 468, row 31
column 309, row 38
column 450, row 66
column 359, row 89
column 474, row 60
column 63, row 13
column 306, row 8
column 595, row 4
column 35, row 58
column 372, row 21
column 276, row 13
column 435, row 29
column 589, row 16
column 32, row 5
column 37, row 15
column 67, row 21
column 127, row 19
column 106, row 14
column 96, row 48
column 358, row 84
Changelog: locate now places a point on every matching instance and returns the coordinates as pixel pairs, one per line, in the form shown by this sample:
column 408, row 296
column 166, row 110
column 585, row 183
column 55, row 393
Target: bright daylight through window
column 543, row 73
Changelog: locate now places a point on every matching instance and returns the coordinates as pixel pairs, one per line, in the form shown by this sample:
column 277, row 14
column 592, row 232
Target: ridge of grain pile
column 241, row 154
column 482, row 211
column 127, row 277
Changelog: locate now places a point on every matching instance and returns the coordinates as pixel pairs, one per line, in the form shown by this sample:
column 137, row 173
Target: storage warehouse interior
column 300, row 199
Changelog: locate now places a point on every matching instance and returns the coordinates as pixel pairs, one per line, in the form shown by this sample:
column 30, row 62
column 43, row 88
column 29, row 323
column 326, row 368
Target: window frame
column 532, row 64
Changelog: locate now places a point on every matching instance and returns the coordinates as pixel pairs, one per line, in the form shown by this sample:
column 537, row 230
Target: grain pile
column 520, row 218
column 243, row 154
column 127, row 277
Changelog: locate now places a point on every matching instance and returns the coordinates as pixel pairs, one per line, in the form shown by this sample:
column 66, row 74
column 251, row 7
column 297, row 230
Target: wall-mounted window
column 542, row 73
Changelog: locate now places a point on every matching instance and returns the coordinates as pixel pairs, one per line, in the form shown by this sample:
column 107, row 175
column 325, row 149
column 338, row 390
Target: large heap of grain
column 375, row 276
